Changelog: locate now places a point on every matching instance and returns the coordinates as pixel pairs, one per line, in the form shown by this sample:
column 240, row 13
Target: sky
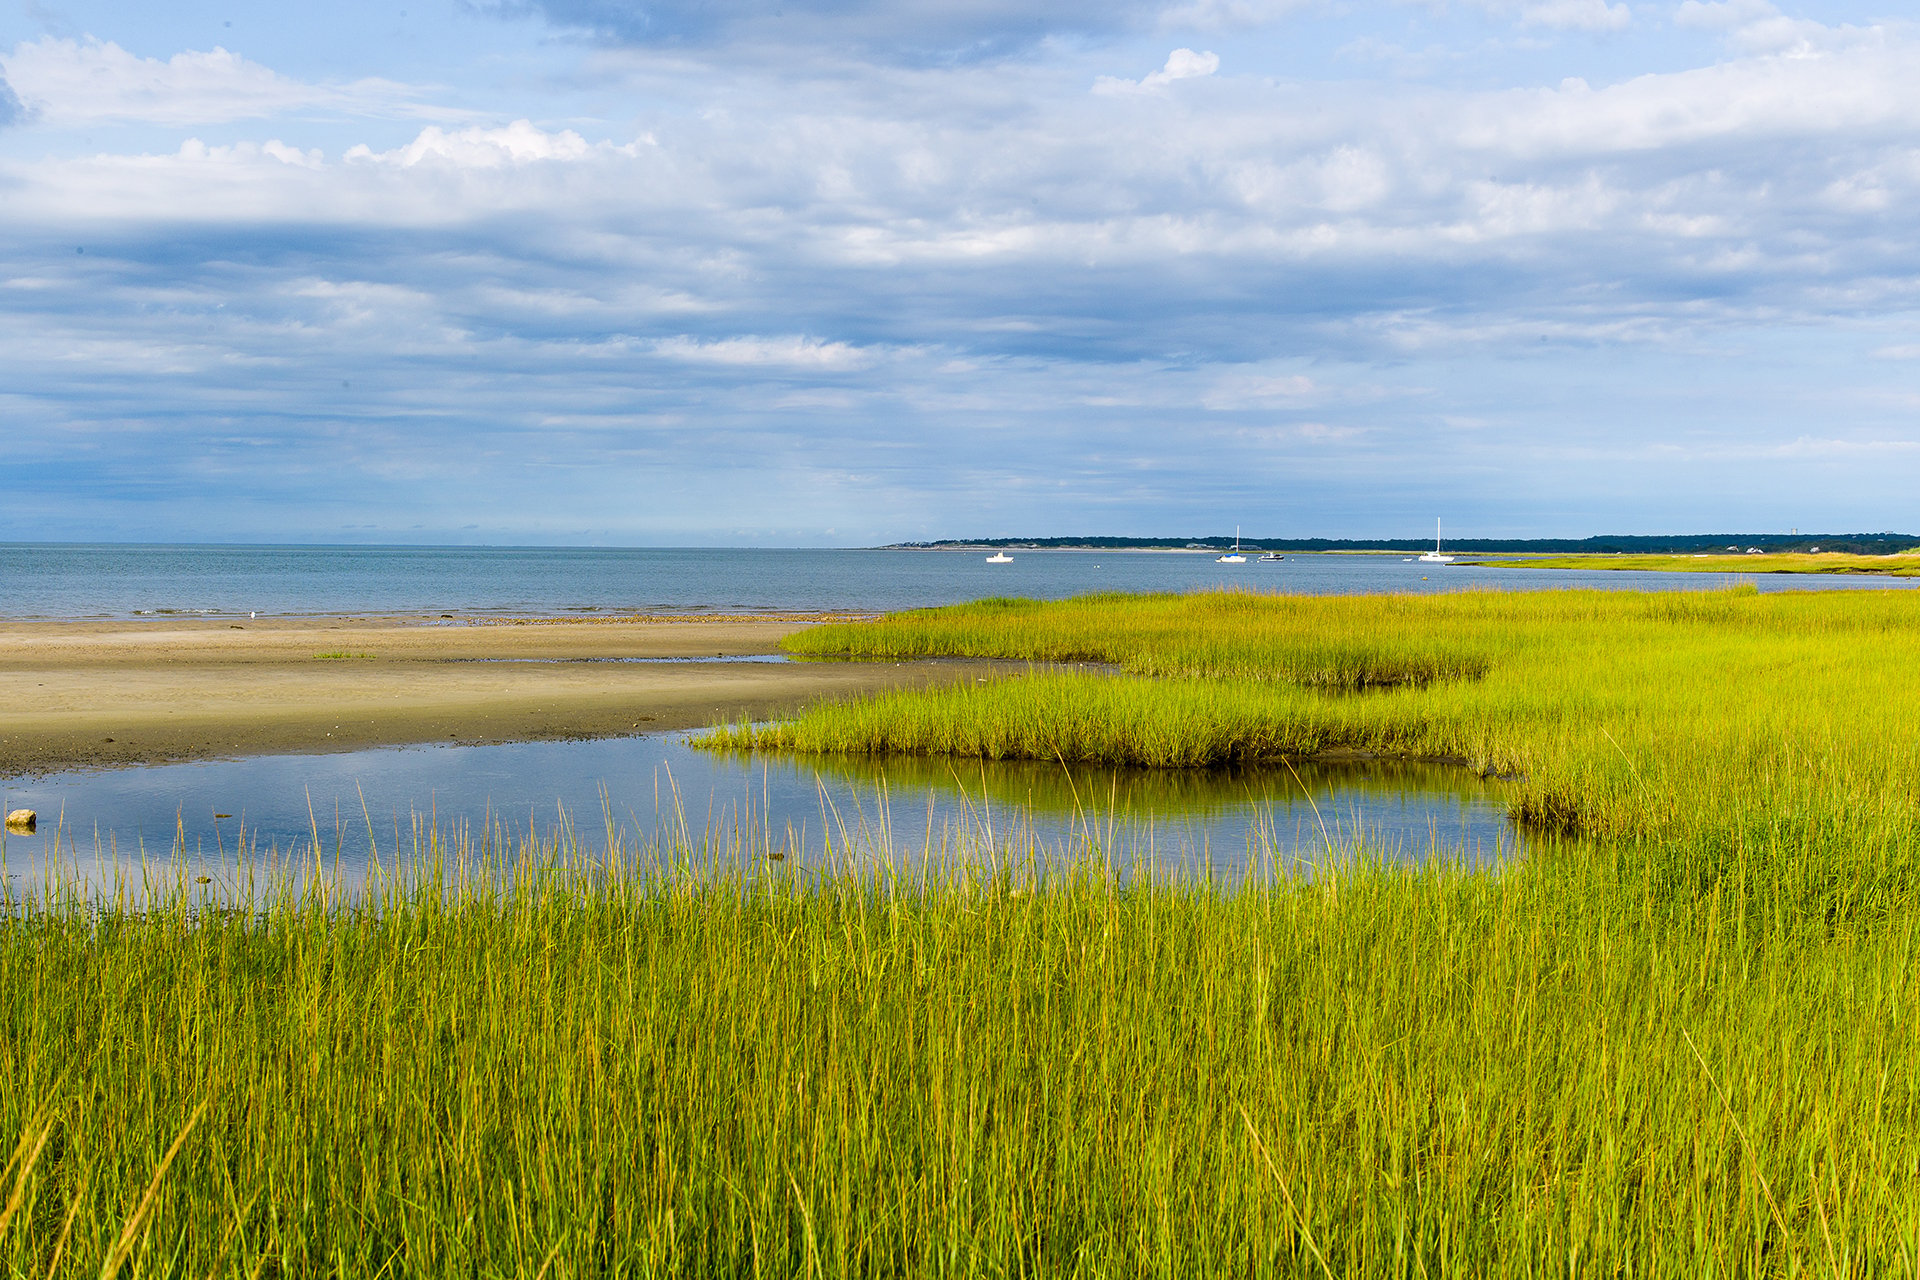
column 844, row 272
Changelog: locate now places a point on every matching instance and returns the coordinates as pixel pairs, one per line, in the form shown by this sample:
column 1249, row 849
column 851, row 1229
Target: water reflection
column 370, row 803
column 1216, row 815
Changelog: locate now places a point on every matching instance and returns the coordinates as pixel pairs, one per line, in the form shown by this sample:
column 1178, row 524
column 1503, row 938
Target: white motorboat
column 1233, row 556
column 999, row 557
column 1272, row 557
column 1434, row 556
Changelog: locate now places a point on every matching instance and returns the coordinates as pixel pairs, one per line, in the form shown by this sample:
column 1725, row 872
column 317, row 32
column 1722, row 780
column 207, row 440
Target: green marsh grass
column 1779, row 733
column 1737, row 776
column 1685, row 1047
column 684, row 1060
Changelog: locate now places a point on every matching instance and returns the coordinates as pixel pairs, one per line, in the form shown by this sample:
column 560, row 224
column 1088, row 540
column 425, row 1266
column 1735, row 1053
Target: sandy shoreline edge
column 100, row 694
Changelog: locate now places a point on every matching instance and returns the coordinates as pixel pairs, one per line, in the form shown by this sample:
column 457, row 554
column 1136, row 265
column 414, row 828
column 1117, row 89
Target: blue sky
column 828, row 272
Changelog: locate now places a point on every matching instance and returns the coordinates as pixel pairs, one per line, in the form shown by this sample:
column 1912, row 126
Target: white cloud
column 1550, row 15
column 785, row 352
column 194, row 151
column 1577, row 15
column 1182, row 64
column 1260, row 391
column 1757, row 27
column 1697, row 163
column 1829, row 447
column 477, row 148
column 1317, row 433
column 1722, row 15
column 80, row 82
column 1211, row 15
column 1828, row 93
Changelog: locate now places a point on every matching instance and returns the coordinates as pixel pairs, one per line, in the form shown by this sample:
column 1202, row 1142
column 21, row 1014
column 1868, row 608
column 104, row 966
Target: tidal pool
column 370, row 803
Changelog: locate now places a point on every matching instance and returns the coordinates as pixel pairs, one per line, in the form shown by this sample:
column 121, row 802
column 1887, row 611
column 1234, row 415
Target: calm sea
column 122, row 581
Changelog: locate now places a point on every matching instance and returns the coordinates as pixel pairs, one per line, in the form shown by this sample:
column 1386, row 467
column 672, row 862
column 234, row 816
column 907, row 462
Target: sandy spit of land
column 93, row 694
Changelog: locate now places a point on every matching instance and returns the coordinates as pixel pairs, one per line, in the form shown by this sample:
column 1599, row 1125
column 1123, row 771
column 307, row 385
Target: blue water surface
column 655, row 787
column 121, row 581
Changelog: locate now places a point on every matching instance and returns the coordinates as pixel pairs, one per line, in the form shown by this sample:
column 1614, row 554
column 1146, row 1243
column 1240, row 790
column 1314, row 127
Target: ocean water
column 126, row 581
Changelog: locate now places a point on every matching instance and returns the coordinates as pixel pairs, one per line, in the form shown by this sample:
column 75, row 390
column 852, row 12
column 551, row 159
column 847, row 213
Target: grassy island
column 1676, row 1039
column 1900, row 565
column 1723, row 720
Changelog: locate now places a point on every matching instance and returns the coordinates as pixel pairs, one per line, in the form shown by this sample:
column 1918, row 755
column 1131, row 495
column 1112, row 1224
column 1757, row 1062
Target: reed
column 1678, row 1041
column 1720, row 732
column 688, row 1060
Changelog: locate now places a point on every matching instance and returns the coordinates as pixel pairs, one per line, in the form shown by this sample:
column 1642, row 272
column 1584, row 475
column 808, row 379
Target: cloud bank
column 1119, row 286
column 71, row 82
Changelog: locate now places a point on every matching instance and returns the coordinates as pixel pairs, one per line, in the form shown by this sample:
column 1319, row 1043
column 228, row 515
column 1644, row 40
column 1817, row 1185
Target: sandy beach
column 91, row 694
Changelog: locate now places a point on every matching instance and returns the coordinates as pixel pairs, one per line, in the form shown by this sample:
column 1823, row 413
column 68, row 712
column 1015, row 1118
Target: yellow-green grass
column 1687, row 1049
column 690, row 1062
column 1706, row 726
column 1904, row 564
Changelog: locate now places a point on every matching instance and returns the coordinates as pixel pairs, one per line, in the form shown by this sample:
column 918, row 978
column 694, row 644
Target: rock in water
column 22, row 820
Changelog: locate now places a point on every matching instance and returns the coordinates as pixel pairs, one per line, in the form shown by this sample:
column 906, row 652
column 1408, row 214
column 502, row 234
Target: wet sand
column 92, row 694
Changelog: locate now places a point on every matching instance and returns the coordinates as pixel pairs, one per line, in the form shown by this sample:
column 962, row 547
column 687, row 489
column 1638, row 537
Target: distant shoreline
column 1859, row 544
column 1895, row 565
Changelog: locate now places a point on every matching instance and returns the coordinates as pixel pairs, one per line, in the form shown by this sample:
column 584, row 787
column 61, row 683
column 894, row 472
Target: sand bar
column 92, row 694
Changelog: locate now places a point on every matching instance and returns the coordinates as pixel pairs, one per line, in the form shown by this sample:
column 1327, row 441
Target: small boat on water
column 999, row 557
column 1272, row 557
column 1233, row 556
column 1434, row 556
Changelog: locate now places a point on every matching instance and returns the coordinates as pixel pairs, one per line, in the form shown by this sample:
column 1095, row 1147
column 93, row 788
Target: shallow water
column 651, row 785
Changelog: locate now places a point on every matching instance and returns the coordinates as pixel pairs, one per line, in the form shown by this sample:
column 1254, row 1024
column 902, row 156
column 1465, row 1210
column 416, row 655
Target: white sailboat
column 1434, row 556
column 1233, row 556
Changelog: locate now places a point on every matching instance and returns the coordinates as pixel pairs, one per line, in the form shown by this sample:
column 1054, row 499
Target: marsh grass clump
column 682, row 1060
column 1297, row 640
column 1779, row 733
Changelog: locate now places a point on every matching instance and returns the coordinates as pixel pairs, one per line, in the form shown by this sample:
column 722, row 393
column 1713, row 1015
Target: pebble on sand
column 22, row 820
